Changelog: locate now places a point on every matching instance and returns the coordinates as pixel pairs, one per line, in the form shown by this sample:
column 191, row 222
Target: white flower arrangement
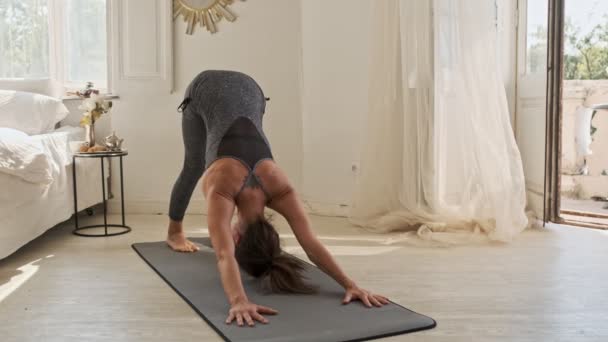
column 94, row 107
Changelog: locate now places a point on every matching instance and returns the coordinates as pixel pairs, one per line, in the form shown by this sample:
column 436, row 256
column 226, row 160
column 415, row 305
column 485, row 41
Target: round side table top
column 101, row 154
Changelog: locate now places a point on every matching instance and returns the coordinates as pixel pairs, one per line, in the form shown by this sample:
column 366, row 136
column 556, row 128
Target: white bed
column 29, row 209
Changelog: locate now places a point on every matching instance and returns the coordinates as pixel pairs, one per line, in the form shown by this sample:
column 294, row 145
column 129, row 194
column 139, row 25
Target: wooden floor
column 549, row 285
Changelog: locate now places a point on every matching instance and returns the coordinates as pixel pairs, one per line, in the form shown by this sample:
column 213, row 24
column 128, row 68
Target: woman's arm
column 220, row 211
column 289, row 205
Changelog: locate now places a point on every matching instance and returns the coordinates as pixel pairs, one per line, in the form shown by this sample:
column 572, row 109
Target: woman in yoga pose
column 223, row 138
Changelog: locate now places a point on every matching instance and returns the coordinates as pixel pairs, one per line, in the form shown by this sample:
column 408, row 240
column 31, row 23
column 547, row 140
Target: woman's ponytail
column 285, row 275
column 259, row 253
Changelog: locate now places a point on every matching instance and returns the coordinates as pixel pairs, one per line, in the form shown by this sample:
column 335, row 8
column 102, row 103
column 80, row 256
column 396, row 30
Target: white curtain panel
column 440, row 160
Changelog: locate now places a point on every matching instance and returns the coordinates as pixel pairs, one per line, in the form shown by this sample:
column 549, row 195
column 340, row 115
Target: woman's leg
column 195, row 138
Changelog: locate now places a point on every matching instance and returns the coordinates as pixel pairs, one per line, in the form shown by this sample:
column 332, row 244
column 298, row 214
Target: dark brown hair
column 259, row 253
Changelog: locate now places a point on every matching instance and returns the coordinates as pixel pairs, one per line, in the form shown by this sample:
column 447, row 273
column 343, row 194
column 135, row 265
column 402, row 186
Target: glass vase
column 90, row 135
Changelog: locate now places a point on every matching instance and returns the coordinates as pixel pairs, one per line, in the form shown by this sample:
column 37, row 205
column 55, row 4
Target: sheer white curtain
column 439, row 159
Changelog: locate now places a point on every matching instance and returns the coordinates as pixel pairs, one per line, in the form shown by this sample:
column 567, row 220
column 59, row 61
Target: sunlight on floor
column 347, row 250
column 201, row 231
column 334, row 250
column 27, row 271
column 358, row 238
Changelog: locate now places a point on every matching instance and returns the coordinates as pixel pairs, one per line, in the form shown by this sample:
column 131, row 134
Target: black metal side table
column 123, row 228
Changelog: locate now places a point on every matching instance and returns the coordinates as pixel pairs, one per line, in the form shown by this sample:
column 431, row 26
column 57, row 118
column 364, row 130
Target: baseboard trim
column 199, row 207
column 535, row 203
column 152, row 207
column 326, row 209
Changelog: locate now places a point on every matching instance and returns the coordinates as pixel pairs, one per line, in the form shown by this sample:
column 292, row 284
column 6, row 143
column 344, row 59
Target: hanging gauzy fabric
column 439, row 159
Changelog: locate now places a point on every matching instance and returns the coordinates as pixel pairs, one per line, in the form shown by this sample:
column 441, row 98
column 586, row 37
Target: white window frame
column 57, row 57
column 56, row 78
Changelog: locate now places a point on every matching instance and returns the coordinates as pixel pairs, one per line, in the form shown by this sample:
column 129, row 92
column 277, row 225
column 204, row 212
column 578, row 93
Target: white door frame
column 530, row 123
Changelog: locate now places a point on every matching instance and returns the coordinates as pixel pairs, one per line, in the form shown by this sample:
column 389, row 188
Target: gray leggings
column 194, row 134
column 218, row 104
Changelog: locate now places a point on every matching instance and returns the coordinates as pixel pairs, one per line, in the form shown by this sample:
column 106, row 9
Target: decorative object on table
column 76, row 145
column 87, row 92
column 204, row 12
column 94, row 149
column 94, row 107
column 113, row 142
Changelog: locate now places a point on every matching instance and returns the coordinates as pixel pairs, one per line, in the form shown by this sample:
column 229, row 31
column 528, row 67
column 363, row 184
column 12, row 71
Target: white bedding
column 30, row 113
column 23, row 156
column 28, row 209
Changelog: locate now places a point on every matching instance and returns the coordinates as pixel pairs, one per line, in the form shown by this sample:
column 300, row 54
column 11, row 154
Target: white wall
column 311, row 62
column 311, row 57
column 265, row 43
column 335, row 45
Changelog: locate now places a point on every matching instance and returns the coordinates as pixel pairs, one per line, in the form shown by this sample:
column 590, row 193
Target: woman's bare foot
column 177, row 240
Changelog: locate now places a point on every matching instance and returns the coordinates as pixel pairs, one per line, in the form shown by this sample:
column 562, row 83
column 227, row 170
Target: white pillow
column 24, row 157
column 30, row 113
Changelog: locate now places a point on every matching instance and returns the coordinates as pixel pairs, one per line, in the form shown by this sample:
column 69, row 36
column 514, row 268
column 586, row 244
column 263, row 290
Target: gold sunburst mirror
column 206, row 13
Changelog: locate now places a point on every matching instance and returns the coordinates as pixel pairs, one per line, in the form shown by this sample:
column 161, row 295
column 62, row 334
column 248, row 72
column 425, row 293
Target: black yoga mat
column 319, row 317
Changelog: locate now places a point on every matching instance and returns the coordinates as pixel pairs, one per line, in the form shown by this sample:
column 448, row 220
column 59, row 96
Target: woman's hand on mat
column 245, row 312
column 369, row 299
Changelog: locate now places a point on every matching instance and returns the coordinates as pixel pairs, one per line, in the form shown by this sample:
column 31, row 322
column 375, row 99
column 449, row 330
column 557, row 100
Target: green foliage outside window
column 585, row 55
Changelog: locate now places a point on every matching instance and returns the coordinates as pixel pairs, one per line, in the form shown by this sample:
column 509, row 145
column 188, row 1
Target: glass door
column 584, row 128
